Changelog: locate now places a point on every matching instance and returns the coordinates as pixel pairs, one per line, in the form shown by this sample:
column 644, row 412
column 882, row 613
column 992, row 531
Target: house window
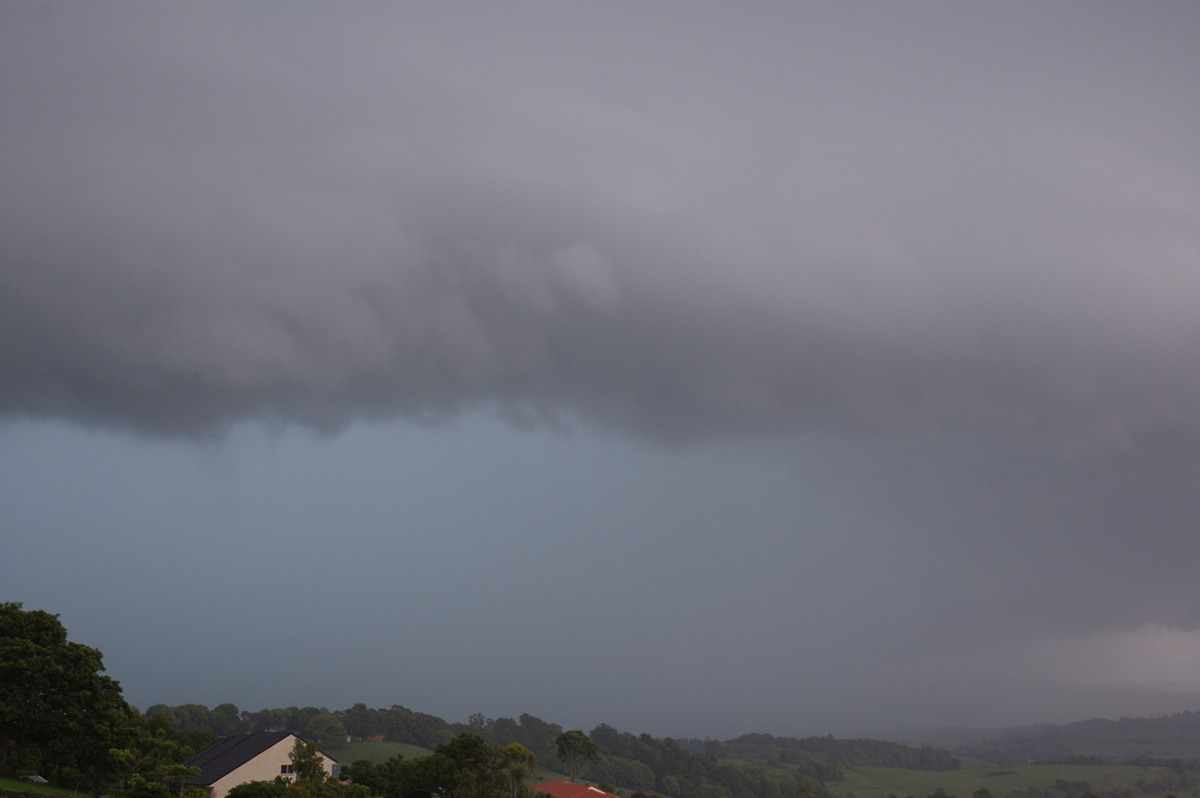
column 285, row 769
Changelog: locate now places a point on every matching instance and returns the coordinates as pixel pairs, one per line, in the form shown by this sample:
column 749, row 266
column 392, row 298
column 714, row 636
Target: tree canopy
column 576, row 750
column 58, row 710
column 306, row 760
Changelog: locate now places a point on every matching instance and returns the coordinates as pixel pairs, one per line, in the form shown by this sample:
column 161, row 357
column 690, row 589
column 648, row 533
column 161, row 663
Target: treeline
column 752, row 766
column 328, row 729
column 640, row 763
column 648, row 764
column 848, row 753
column 678, row 771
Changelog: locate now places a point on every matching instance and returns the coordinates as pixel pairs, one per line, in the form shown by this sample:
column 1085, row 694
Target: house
column 241, row 758
column 569, row 789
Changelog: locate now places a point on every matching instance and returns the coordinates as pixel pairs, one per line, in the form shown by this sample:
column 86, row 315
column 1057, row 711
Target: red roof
column 569, row 789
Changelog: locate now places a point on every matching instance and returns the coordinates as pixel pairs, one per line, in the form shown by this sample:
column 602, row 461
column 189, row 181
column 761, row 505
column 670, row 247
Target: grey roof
column 230, row 753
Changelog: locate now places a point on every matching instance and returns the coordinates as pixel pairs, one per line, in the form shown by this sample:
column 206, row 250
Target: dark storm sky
column 696, row 368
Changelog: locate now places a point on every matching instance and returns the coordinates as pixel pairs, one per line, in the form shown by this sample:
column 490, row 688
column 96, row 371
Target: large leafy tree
column 518, row 766
column 327, row 730
column 57, row 709
column 307, row 763
column 151, row 762
column 478, row 764
column 576, row 750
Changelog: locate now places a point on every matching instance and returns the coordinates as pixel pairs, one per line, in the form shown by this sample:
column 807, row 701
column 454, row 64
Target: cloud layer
column 683, row 226
column 927, row 274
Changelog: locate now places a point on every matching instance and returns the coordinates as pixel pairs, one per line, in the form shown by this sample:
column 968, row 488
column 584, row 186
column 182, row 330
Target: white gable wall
column 264, row 767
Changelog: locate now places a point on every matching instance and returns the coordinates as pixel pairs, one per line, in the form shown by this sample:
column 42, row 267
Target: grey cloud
column 908, row 290
column 222, row 214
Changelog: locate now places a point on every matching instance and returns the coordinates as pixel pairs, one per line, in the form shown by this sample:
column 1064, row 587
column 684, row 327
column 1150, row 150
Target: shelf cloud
column 966, row 239
column 210, row 218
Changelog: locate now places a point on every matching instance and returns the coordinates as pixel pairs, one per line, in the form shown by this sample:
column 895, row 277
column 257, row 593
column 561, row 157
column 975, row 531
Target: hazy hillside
column 1175, row 736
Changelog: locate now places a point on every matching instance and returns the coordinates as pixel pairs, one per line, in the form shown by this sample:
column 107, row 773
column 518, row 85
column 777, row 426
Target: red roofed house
column 242, row 758
column 569, row 789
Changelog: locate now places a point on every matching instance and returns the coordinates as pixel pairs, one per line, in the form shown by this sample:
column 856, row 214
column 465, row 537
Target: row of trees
column 645, row 763
column 641, row 763
column 328, row 729
column 313, row 723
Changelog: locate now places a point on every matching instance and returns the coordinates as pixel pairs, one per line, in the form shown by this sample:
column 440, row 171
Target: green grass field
column 374, row 752
column 879, row 782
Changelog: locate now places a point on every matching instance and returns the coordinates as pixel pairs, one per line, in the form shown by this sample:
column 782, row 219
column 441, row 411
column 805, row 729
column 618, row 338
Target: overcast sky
column 696, row 368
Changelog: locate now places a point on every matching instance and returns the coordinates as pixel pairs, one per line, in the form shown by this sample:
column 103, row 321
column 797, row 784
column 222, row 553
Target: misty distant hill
column 1175, row 736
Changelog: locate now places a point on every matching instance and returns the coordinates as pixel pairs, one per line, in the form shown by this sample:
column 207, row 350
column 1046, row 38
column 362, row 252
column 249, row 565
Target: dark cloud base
column 944, row 267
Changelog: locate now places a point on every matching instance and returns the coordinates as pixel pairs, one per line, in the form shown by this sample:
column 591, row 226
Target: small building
column 569, row 789
column 242, row 758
